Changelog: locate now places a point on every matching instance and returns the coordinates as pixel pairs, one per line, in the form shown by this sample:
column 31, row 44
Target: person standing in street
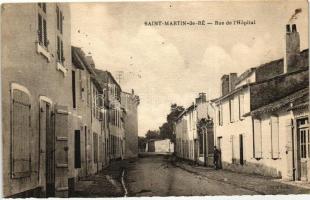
column 216, row 157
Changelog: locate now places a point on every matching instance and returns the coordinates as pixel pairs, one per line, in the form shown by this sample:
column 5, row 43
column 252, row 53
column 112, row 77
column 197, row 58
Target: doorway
column 219, row 147
column 241, row 148
column 303, row 148
column 47, row 125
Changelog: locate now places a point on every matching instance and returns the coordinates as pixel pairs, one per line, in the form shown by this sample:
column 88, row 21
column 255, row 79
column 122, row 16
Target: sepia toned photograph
column 155, row 99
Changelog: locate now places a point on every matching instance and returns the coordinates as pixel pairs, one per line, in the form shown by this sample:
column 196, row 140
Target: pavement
column 161, row 175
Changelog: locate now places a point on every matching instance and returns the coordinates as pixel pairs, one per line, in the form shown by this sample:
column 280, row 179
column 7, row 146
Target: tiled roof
column 298, row 98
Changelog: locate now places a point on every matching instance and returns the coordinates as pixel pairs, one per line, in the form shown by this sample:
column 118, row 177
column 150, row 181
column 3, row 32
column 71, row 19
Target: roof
column 101, row 73
column 245, row 75
column 299, row 98
column 80, row 61
column 279, row 77
column 191, row 107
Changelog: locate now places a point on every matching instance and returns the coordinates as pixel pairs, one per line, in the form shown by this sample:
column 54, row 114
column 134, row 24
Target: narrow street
column 161, row 176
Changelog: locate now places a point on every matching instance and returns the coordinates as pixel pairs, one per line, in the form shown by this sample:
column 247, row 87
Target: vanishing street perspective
column 125, row 99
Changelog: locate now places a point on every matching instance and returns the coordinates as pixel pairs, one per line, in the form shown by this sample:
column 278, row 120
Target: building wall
column 163, row 146
column 22, row 64
column 130, row 104
column 229, row 131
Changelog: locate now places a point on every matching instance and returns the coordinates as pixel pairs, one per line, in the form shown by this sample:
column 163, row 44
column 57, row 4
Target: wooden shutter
column 257, row 138
column 232, row 149
column 40, row 28
column 61, row 151
column 274, row 122
column 58, row 49
column 21, row 134
column 57, row 13
column 62, row 52
column 241, row 106
column 61, row 22
column 45, row 32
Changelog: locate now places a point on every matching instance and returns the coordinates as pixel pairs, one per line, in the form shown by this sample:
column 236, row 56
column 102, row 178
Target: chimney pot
column 294, row 28
column 288, row 28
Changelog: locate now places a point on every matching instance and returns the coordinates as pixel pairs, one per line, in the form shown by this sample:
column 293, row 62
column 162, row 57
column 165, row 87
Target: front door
column 303, row 148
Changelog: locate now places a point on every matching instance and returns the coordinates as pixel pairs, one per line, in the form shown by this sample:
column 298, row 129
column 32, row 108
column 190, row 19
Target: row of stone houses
column 63, row 119
column 261, row 119
column 262, row 116
column 194, row 132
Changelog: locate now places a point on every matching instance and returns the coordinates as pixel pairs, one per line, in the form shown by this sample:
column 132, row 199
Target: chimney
column 132, row 91
column 232, row 81
column 201, row 98
column 224, row 84
column 292, row 48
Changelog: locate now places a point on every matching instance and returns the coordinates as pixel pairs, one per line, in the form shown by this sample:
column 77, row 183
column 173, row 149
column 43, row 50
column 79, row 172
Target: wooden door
column 61, row 151
column 303, row 151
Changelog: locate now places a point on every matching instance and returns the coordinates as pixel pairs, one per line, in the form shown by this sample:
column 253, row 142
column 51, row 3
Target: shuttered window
column 42, row 25
column 231, row 110
column 220, row 114
column 60, row 48
column 257, row 138
column 20, row 135
column 241, row 106
column 274, row 122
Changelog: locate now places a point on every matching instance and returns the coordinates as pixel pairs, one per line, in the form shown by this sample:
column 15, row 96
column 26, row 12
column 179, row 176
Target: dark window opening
column 73, row 89
column 77, row 149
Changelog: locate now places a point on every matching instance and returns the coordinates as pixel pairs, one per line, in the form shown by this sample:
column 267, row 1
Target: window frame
column 42, row 37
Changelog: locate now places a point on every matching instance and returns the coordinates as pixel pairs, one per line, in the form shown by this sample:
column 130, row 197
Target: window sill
column 43, row 51
column 61, row 68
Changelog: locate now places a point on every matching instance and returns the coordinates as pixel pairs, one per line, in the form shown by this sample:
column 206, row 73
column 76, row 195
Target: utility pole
column 119, row 76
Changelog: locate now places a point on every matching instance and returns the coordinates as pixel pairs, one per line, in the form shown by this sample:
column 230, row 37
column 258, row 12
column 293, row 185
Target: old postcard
column 158, row 98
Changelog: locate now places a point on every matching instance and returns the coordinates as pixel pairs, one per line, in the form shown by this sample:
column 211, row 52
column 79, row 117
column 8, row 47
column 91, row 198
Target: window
column 95, row 141
column 88, row 90
column 220, row 115
column 20, row 132
column 231, row 110
column 241, row 106
column 42, row 26
column 94, row 101
column 274, row 123
column 81, row 85
column 73, row 90
column 257, row 139
column 60, row 50
column 60, row 53
column 77, row 149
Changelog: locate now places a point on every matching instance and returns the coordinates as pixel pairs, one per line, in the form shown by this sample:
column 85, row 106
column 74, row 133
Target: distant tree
column 167, row 129
column 152, row 134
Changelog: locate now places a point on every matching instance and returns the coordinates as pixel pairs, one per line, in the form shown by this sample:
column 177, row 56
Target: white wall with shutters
column 257, row 138
column 274, row 123
column 21, row 135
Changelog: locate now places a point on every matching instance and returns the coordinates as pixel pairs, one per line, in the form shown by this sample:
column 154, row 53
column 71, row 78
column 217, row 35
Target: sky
column 172, row 64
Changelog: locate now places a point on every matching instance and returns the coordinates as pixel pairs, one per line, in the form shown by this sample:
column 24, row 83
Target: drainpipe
column 205, row 146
